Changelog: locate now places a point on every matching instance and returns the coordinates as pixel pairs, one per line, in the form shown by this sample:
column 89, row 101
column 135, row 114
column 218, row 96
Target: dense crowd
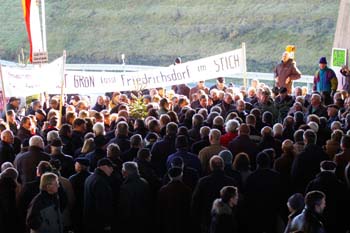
column 217, row 159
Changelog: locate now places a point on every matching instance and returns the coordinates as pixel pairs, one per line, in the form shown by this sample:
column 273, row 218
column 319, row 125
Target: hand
column 276, row 80
column 288, row 80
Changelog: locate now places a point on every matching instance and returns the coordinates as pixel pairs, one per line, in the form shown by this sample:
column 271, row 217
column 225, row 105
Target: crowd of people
column 203, row 159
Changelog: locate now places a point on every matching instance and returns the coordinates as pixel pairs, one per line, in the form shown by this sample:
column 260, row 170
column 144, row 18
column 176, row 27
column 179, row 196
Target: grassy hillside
column 155, row 32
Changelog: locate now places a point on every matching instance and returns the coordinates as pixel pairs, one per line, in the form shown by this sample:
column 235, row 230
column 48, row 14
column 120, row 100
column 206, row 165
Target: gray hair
column 52, row 135
column 36, row 141
column 99, row 129
column 131, row 168
column 232, row 126
column 214, row 135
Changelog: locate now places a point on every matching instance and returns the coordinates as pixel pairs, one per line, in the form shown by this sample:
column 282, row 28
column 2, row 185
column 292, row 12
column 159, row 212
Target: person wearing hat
column 173, row 204
column 332, row 112
column 285, row 72
column 67, row 164
column 78, row 180
column 98, row 200
column 283, row 103
column 325, row 81
column 220, row 84
column 335, row 191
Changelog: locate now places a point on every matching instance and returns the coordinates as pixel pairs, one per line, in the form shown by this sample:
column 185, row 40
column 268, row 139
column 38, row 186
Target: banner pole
column 62, row 88
column 244, row 65
column 3, row 93
column 43, row 24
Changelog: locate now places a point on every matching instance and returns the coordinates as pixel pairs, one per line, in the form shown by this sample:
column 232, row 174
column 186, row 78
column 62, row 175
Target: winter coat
column 327, row 82
column 67, row 164
column 173, row 208
column 98, row 200
column 26, row 163
column 306, row 165
column 243, row 143
column 264, row 192
column 8, row 210
column 285, row 70
column 7, row 153
column 207, row 190
column 190, row 160
column 44, row 214
column 160, row 152
column 223, row 219
column 206, row 153
column 307, row 222
column 337, row 200
column 135, row 204
column 78, row 182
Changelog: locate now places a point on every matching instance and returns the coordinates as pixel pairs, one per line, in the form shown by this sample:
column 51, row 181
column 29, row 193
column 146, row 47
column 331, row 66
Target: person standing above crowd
column 286, row 72
column 325, row 81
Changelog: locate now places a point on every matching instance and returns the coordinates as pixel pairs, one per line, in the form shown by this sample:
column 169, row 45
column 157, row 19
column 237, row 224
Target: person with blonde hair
column 44, row 215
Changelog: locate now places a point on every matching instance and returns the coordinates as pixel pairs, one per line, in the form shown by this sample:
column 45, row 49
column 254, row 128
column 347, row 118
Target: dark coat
column 283, row 165
column 94, row 156
column 223, row 219
column 7, row 153
column 8, row 210
column 307, row 222
column 199, row 145
column 67, row 145
column 337, row 200
column 160, row 152
column 271, row 142
column 78, row 182
column 130, row 154
column 263, row 199
column 321, row 111
column 135, row 204
column 206, row 191
column 44, row 214
column 67, row 164
column 342, row 159
column 77, row 140
column 173, row 208
column 98, row 200
column 242, row 143
column 148, row 173
column 306, row 165
column 190, row 160
column 190, row 177
column 26, row 163
column 122, row 141
column 23, row 134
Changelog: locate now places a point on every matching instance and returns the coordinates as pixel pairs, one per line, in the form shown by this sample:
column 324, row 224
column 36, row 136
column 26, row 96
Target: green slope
column 155, row 32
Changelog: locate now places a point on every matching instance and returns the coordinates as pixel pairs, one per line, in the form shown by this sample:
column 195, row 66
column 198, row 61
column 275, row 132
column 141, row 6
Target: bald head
column 216, row 163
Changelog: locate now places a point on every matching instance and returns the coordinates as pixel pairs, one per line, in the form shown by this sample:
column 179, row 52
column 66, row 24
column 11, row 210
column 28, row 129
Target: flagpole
column 43, row 24
column 62, row 88
column 3, row 93
column 244, row 65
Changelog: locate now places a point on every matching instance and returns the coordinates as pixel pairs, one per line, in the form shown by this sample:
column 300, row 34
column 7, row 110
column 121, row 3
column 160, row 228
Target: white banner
column 100, row 82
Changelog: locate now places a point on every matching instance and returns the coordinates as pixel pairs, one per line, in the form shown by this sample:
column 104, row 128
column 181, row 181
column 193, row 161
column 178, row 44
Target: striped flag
column 31, row 16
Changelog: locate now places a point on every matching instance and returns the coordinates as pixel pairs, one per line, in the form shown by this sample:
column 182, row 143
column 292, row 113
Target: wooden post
column 62, row 89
